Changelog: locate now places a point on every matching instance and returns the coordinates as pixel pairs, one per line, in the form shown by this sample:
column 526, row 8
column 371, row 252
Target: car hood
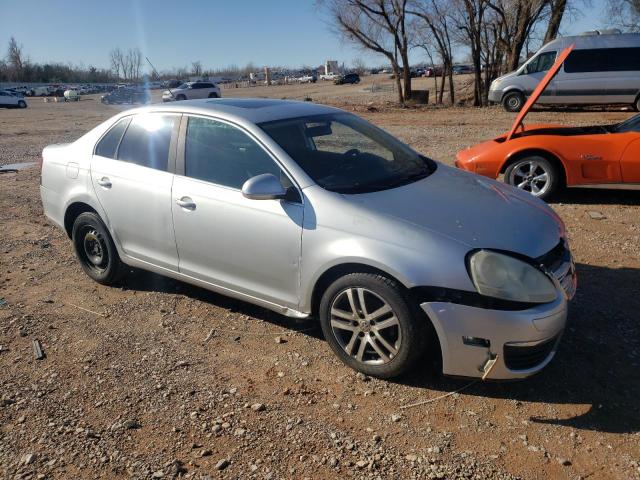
column 472, row 210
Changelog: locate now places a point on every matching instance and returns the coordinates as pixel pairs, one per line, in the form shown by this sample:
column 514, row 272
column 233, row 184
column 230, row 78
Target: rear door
column 248, row 246
column 131, row 172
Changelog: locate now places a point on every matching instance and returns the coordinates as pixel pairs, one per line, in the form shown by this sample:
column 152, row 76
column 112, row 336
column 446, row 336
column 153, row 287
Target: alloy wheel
column 530, row 176
column 365, row 326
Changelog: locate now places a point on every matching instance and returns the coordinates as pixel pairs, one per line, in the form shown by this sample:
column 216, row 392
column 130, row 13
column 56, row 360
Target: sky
column 175, row 33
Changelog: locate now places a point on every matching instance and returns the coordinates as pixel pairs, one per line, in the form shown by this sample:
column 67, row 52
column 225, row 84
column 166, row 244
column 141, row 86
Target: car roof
column 253, row 110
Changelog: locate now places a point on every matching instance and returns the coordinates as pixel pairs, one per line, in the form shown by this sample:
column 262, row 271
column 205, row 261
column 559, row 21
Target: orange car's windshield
column 630, row 125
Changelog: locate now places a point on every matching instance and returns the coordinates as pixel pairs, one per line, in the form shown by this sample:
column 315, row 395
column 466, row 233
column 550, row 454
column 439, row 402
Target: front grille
column 559, row 263
column 555, row 257
column 524, row 357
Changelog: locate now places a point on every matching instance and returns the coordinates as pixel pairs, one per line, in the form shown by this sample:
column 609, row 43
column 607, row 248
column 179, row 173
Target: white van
column 603, row 68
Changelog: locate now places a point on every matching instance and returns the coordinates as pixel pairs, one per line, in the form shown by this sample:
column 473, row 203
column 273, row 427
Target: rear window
column 108, row 145
column 147, row 140
column 603, row 60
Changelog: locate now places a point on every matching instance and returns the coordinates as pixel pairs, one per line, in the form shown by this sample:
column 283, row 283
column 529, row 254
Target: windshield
column 630, row 125
column 345, row 154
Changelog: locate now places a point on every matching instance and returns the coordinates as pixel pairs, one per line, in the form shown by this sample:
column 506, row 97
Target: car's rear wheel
column 22, row 104
column 95, row 249
column 534, row 174
column 513, row 101
column 371, row 325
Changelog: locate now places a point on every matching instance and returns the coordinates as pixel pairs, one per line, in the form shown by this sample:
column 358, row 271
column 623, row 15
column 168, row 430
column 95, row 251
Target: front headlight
column 501, row 276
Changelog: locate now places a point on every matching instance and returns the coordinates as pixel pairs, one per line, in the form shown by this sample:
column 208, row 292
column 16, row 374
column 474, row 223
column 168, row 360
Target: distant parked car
column 126, row 96
column 432, row 72
column 462, row 69
column 329, row 76
column 348, row 78
column 307, row 79
column 10, row 100
column 191, row 91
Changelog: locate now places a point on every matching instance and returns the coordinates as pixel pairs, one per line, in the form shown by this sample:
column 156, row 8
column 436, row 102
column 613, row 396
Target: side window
column 220, row 153
column 109, row 143
column 147, row 140
column 603, row 60
column 542, row 62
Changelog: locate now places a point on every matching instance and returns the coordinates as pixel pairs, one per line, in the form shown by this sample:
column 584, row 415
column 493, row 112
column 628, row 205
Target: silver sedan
column 311, row 211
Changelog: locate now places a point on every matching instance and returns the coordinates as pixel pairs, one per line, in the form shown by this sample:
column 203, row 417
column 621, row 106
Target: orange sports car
column 544, row 158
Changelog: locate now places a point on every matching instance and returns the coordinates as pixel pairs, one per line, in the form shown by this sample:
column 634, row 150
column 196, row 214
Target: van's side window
column 603, row 60
column 542, row 62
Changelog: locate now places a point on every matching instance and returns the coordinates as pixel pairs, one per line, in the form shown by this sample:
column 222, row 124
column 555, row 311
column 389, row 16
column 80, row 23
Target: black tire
column 513, row 176
column 181, row 97
column 95, row 249
column 636, row 106
column 409, row 333
column 513, row 101
column 22, row 104
column 213, row 95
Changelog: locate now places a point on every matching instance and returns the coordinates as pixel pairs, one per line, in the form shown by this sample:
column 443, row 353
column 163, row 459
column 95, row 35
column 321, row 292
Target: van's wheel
column 534, row 174
column 95, row 249
column 22, row 104
column 371, row 325
column 213, row 95
column 513, row 101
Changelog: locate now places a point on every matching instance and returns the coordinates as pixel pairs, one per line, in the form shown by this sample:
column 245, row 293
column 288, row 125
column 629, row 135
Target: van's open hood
column 533, row 98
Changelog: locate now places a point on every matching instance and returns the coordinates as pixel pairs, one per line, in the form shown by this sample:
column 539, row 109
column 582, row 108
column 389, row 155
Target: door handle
column 186, row 203
column 104, row 182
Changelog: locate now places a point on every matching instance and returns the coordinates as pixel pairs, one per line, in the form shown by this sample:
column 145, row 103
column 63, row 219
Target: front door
column 131, row 178
column 248, row 246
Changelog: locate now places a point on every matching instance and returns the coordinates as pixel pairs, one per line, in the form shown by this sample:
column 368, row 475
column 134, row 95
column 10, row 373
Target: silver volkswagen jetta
column 309, row 210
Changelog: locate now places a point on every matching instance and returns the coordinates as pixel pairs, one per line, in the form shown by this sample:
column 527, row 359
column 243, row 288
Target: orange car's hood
column 539, row 89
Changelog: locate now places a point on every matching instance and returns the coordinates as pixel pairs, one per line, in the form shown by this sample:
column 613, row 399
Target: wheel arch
column 334, row 272
column 73, row 211
column 552, row 157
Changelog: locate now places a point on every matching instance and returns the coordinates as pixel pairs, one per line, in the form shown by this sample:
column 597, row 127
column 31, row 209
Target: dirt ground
column 159, row 379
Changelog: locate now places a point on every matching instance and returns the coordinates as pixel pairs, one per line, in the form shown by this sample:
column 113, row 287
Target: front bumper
column 526, row 328
column 522, row 342
column 495, row 96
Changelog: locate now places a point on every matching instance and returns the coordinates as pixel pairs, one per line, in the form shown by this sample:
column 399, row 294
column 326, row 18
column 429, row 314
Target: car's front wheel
column 370, row 324
column 22, row 104
column 213, row 95
column 95, row 249
column 534, row 174
column 181, row 97
column 513, row 101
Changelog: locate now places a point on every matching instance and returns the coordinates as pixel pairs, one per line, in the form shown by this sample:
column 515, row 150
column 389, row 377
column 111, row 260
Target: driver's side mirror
column 263, row 187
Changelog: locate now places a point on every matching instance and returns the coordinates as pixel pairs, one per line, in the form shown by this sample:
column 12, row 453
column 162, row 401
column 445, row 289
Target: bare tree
column 379, row 26
column 435, row 16
column 624, row 14
column 469, row 17
column 15, row 59
column 558, row 8
column 518, row 18
column 196, row 68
